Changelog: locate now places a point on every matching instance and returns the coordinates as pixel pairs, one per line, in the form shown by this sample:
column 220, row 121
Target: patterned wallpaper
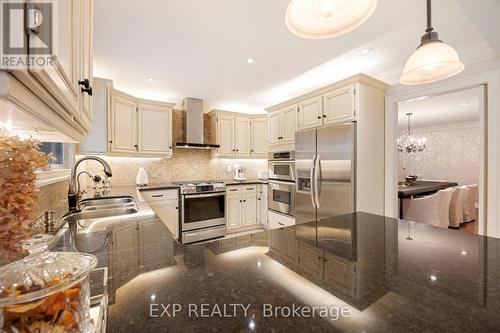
column 452, row 154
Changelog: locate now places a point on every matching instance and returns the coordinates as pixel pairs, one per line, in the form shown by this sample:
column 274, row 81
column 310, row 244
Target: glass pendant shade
column 431, row 62
column 321, row 19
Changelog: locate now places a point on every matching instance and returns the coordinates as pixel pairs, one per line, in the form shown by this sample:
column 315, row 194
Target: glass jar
column 46, row 291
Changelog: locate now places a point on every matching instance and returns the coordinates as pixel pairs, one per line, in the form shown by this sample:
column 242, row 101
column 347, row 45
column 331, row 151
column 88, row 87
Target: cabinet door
column 249, row 209
column 243, row 136
column 339, row 273
column 225, row 135
column 259, row 138
column 123, row 125
column 263, row 207
column 125, row 241
column 310, row 113
column 310, row 259
column 339, row 105
column 168, row 212
column 290, row 246
column 155, row 130
column 87, row 51
column 289, row 124
column 274, row 120
column 61, row 77
column 233, row 204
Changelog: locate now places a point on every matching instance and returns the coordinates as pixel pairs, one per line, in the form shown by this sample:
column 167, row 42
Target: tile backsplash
column 54, row 198
column 185, row 164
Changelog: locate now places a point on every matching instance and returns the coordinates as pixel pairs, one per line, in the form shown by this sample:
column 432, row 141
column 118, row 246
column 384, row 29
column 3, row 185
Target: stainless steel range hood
column 194, row 126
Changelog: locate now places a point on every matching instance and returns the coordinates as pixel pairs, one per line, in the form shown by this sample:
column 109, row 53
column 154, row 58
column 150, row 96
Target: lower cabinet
column 262, row 204
column 165, row 204
column 310, row 259
column 241, row 207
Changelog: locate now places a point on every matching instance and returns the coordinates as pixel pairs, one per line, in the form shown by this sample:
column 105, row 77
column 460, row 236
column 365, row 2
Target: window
column 61, row 152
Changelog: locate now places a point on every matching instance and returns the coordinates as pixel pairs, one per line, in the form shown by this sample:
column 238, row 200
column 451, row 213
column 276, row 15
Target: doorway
column 440, row 161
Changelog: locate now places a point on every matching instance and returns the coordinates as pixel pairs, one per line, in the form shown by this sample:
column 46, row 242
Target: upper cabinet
column 239, row 135
column 61, row 89
column 282, row 125
column 337, row 103
column 123, row 124
column 310, row 113
column 127, row 126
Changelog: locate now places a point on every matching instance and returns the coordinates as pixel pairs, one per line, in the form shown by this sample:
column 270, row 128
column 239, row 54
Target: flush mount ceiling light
column 433, row 60
column 321, row 19
column 250, row 61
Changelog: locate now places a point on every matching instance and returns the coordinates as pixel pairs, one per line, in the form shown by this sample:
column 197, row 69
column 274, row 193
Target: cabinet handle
column 87, row 90
column 249, row 188
column 319, row 117
column 85, row 83
column 157, row 195
column 324, row 116
column 233, row 190
column 281, row 223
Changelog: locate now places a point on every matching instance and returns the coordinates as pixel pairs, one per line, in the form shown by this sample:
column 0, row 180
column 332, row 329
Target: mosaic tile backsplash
column 185, row 164
column 54, row 198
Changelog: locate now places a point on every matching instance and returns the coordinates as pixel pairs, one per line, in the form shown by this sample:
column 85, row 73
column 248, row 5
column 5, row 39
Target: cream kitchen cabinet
column 123, row 124
column 241, row 207
column 310, row 113
column 165, row 204
column 262, row 205
column 225, row 135
column 282, row 126
column 243, row 138
column 259, row 137
column 65, row 84
column 154, row 129
column 128, row 126
column 238, row 135
column 339, row 105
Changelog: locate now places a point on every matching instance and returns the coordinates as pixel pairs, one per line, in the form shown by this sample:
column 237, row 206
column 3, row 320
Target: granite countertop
column 362, row 272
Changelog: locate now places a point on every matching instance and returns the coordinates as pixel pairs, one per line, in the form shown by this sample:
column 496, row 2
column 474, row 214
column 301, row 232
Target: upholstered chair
column 457, row 206
column 470, row 203
column 432, row 209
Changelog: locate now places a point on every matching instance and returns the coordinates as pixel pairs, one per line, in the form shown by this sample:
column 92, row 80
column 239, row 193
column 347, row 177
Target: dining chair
column 432, row 209
column 470, row 203
column 457, row 206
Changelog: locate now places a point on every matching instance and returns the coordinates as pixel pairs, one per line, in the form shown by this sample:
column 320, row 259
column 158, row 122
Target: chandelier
column 409, row 143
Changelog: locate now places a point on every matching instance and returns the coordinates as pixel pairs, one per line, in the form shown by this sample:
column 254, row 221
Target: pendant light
column 433, row 60
column 321, row 19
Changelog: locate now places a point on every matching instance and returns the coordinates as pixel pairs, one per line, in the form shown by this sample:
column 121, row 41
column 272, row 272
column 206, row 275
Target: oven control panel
column 203, row 188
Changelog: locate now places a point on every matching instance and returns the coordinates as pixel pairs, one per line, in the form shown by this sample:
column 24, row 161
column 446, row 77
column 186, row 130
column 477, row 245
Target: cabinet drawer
column 276, row 220
column 241, row 189
column 159, row 195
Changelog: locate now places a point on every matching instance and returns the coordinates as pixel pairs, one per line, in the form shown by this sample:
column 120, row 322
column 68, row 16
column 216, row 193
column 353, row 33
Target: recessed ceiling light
column 366, row 50
column 464, row 253
column 151, row 79
column 433, row 278
column 250, row 60
column 258, row 100
column 465, row 104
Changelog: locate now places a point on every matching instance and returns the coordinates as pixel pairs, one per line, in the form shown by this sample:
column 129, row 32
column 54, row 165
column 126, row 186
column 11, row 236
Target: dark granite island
column 361, row 272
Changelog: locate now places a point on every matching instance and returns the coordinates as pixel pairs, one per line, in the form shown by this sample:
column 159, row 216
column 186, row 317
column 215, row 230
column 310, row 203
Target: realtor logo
column 27, row 34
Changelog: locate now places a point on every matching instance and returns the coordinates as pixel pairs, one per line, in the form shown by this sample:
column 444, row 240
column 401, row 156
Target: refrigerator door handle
column 317, row 167
column 312, row 175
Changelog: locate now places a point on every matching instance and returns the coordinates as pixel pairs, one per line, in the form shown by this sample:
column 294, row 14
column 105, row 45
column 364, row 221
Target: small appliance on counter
column 240, row 173
column 142, row 178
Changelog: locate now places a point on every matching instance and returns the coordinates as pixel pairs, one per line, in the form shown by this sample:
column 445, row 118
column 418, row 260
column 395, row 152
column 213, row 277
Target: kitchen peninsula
column 354, row 273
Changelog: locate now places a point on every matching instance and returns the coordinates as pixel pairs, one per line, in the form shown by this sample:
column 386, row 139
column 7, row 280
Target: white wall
column 452, row 154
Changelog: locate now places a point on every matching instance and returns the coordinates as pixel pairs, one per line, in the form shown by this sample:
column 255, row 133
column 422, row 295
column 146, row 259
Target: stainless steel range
column 203, row 214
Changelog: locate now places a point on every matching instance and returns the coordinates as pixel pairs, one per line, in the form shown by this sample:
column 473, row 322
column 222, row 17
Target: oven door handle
column 217, row 194
column 272, row 181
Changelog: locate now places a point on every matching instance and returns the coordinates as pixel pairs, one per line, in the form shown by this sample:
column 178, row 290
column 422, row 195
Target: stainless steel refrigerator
column 325, row 164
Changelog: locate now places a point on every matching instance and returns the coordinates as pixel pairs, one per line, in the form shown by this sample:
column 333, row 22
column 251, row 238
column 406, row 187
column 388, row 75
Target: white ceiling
column 199, row 48
column 457, row 107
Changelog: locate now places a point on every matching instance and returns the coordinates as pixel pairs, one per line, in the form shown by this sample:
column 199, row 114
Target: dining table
column 420, row 187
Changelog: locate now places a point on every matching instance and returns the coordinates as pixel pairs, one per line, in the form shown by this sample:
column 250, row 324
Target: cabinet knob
column 176, row 207
column 319, row 117
column 241, row 200
column 111, row 141
column 244, row 201
column 324, row 116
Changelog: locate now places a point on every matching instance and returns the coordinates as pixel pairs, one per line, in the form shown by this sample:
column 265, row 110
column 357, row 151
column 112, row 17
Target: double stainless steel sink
column 103, row 207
